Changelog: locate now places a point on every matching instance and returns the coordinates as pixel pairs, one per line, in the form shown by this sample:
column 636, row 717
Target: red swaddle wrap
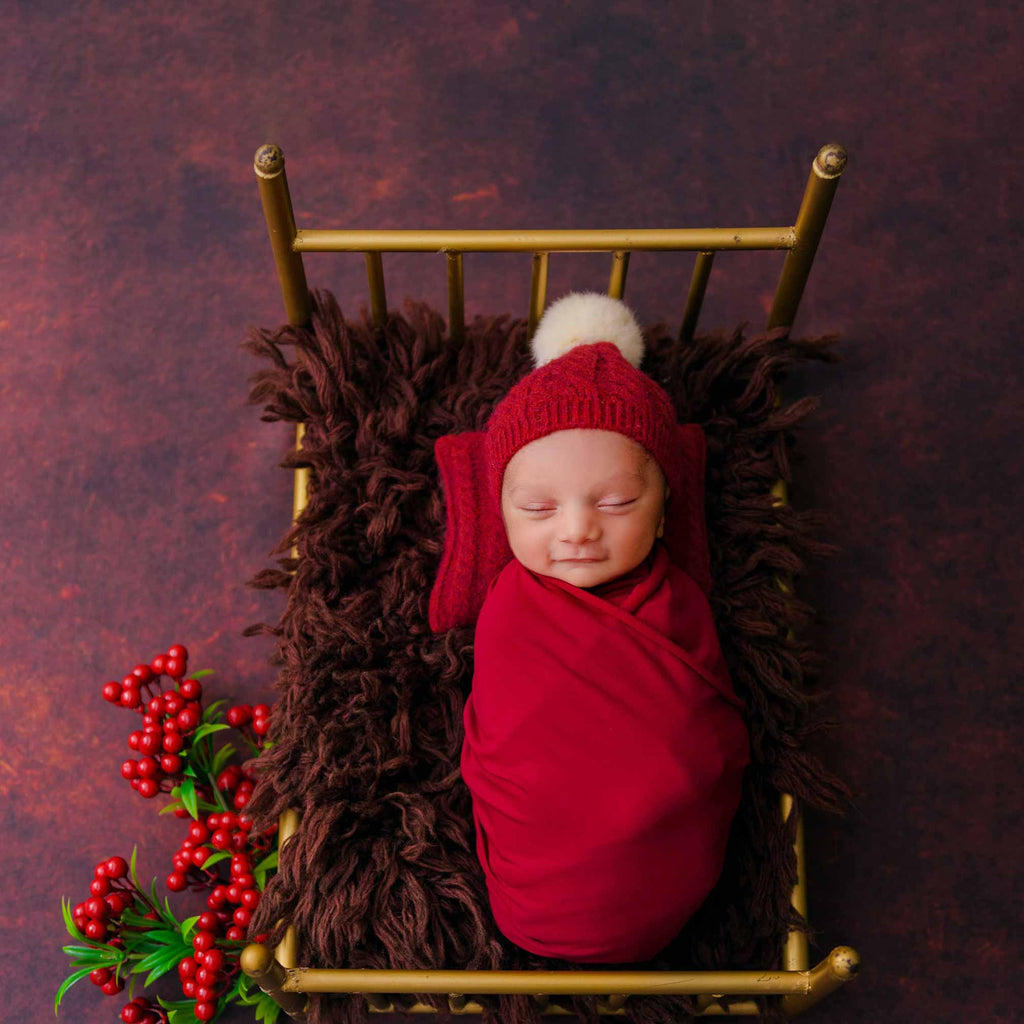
column 604, row 750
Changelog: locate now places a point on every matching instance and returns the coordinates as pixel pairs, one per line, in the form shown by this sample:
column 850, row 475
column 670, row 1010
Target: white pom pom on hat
column 584, row 318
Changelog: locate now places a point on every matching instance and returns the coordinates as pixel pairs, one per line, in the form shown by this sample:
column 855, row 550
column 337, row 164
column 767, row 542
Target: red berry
column 100, row 976
column 181, row 812
column 206, row 978
column 178, row 651
column 198, row 832
column 99, row 887
column 191, row 689
column 250, row 898
column 130, row 697
column 240, row 864
column 241, row 800
column 155, row 706
column 80, row 921
column 112, row 692
column 229, row 778
column 143, row 673
column 117, row 867
column 97, row 909
column 118, row 902
column 171, row 725
column 148, row 788
column 131, row 1013
column 234, row 893
column 200, row 855
column 112, row 987
column 239, row 841
column 238, row 715
column 213, row 960
column 229, row 820
column 150, row 743
column 207, row 922
column 173, row 742
column 96, row 929
column 188, row 719
column 187, row 968
column 188, row 989
column 242, row 917
column 180, row 862
column 148, row 768
column 213, row 822
column 174, row 667
column 129, row 769
column 205, row 1011
column 244, row 882
column 173, row 703
column 221, row 839
column 202, row 941
column 171, row 764
column 235, row 934
column 176, row 881
column 204, row 994
column 261, row 726
column 134, row 738
column 218, row 897
column 260, row 710
column 244, row 822
column 159, row 664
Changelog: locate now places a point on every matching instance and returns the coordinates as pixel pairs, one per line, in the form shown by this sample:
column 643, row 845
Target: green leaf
column 131, row 867
column 216, row 858
column 69, row 921
column 207, row 729
column 221, row 758
column 212, row 712
column 66, row 984
column 188, row 797
column 176, row 806
column 268, row 864
column 187, row 925
column 201, row 674
column 103, row 955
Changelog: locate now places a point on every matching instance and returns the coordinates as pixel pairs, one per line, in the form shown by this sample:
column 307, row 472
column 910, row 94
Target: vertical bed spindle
column 456, row 297
column 538, row 291
column 695, row 298
column 617, row 281
column 378, row 296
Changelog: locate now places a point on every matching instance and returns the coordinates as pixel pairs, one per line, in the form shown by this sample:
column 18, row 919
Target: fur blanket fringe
column 368, row 726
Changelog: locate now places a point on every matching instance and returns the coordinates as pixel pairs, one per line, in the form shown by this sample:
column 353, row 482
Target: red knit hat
column 588, row 349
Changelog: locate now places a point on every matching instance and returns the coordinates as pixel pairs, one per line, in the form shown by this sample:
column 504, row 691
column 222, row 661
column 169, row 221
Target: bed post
column 810, row 223
column 277, row 209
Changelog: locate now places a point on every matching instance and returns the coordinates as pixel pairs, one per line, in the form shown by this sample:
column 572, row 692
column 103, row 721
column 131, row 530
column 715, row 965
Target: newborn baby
column 604, row 747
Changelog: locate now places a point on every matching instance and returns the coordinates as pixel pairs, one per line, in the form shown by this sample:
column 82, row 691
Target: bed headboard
column 800, row 240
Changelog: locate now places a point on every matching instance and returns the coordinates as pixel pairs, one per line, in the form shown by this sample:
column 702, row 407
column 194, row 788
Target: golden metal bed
column 798, row 984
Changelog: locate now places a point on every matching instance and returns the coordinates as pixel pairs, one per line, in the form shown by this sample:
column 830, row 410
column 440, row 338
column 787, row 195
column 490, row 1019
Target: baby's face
column 584, row 506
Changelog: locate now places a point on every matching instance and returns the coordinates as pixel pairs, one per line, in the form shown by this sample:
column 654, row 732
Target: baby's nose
column 579, row 524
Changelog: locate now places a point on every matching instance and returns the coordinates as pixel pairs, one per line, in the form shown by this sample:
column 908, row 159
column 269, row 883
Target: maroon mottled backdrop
column 139, row 491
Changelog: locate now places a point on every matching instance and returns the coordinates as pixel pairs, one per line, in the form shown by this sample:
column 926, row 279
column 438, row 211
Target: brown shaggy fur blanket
column 368, row 727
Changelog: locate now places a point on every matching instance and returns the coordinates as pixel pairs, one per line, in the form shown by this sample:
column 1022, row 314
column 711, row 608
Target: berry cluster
column 126, row 929
column 167, row 719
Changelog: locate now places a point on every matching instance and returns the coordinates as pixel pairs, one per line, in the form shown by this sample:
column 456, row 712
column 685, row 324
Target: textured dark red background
column 139, row 491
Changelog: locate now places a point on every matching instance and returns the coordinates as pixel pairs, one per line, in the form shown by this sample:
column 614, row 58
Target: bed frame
column 799, row 985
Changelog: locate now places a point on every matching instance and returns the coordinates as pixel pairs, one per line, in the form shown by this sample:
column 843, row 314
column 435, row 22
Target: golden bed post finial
column 830, row 161
column 269, row 160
